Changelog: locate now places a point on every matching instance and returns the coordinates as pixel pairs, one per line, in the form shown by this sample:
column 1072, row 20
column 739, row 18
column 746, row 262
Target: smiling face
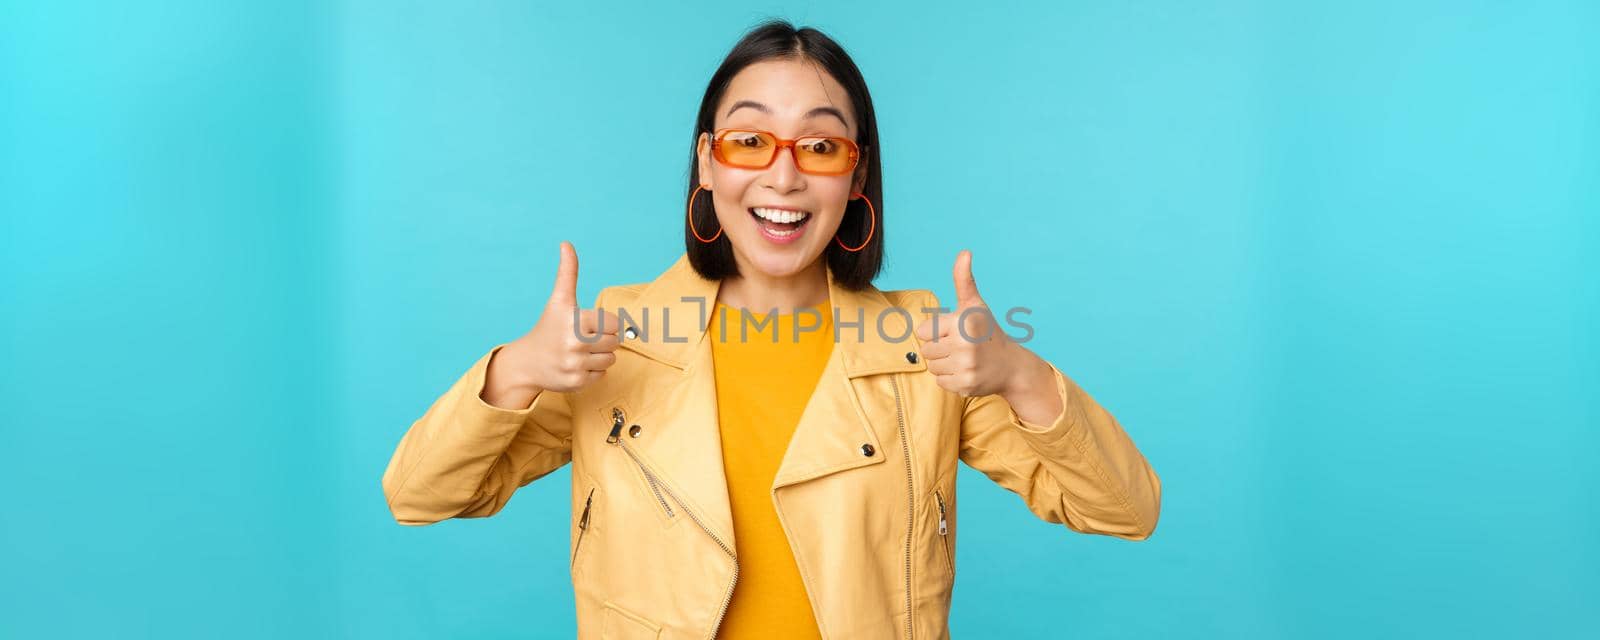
column 778, row 219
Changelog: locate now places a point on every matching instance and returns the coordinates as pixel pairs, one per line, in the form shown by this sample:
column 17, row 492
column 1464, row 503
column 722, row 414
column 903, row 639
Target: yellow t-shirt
column 762, row 388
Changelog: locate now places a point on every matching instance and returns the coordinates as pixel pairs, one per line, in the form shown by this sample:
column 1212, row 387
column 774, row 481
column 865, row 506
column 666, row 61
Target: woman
column 728, row 483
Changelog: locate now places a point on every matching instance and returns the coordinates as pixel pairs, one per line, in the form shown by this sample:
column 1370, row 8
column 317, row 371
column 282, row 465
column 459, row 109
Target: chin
column 780, row 263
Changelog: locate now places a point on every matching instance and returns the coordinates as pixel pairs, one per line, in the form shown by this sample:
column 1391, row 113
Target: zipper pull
column 616, row 425
column 583, row 522
column 942, row 527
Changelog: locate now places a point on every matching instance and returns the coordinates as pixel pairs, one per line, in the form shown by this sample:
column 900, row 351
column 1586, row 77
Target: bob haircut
column 779, row 40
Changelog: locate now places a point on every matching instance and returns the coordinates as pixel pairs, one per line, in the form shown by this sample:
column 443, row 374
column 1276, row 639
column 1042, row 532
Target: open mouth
column 780, row 225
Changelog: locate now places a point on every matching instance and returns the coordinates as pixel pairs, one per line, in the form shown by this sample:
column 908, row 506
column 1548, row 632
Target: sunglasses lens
column 823, row 155
column 746, row 148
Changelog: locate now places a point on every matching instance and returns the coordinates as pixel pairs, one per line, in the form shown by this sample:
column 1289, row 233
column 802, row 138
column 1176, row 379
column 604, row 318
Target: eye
column 821, row 146
column 746, row 140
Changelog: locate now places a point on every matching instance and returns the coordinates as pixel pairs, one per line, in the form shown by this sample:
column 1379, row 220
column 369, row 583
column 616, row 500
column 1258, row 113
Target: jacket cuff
column 1065, row 425
column 476, row 410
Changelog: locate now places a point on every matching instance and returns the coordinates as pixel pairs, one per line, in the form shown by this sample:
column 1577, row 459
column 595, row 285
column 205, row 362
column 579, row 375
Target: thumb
column 565, row 291
column 966, row 286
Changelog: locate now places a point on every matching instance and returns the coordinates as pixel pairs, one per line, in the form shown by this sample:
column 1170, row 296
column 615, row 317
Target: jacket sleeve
column 464, row 457
column 1082, row 469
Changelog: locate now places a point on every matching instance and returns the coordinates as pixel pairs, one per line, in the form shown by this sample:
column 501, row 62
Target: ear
column 703, row 158
column 858, row 183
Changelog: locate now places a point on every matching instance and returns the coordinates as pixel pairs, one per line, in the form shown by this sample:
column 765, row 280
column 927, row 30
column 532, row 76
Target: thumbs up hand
column 966, row 349
column 568, row 349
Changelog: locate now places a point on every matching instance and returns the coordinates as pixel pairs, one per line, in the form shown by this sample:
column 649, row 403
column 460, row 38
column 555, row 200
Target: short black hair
column 779, row 39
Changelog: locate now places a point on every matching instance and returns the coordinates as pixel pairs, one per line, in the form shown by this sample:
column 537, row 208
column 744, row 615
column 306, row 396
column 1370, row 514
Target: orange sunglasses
column 756, row 149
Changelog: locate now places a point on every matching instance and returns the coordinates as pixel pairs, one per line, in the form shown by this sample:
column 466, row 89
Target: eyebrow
column 817, row 111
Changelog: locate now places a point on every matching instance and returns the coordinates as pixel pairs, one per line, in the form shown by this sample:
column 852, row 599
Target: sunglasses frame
column 781, row 143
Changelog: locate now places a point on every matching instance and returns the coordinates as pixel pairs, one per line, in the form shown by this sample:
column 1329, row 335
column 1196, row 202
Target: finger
column 606, row 343
column 599, row 361
column 588, row 322
column 565, row 291
column 948, row 382
column 935, row 350
column 610, row 324
column 597, row 321
column 940, row 366
column 974, row 324
column 934, row 329
column 966, row 285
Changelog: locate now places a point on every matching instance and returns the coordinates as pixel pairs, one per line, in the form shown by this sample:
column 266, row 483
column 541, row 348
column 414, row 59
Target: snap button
column 634, row 430
column 867, row 450
column 911, row 357
column 630, row 333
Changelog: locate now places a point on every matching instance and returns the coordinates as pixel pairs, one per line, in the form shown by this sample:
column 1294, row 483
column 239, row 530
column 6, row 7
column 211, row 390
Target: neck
column 760, row 292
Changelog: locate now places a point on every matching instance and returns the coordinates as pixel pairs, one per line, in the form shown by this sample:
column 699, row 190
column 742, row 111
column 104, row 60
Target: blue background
column 1333, row 268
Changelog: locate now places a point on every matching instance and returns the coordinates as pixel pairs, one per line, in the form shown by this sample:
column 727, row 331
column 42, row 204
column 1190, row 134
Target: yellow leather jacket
column 866, row 491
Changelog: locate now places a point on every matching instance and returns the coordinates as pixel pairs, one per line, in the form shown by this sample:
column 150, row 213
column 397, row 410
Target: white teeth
column 780, row 215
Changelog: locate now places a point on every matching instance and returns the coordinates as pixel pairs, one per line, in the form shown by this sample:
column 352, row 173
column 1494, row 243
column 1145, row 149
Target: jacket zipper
column 583, row 527
column 614, row 437
column 949, row 563
column 911, row 499
column 649, row 478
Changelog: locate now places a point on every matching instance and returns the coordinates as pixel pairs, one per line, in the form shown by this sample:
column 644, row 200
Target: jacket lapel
column 671, row 315
column 871, row 337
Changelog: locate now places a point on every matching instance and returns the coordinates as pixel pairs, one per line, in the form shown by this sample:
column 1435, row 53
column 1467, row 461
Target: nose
column 784, row 175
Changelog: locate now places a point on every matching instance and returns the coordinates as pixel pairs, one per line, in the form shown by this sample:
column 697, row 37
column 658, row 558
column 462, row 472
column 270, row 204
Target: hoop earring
column 872, row 217
column 713, row 238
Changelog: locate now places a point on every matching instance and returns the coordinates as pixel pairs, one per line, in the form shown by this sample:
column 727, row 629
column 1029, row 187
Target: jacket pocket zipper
column 583, row 527
column 944, row 529
column 615, row 437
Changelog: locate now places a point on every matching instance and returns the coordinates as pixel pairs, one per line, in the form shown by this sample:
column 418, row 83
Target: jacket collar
column 673, row 312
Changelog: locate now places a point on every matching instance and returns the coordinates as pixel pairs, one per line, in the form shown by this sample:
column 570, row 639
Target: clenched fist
column 966, row 349
column 568, row 348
